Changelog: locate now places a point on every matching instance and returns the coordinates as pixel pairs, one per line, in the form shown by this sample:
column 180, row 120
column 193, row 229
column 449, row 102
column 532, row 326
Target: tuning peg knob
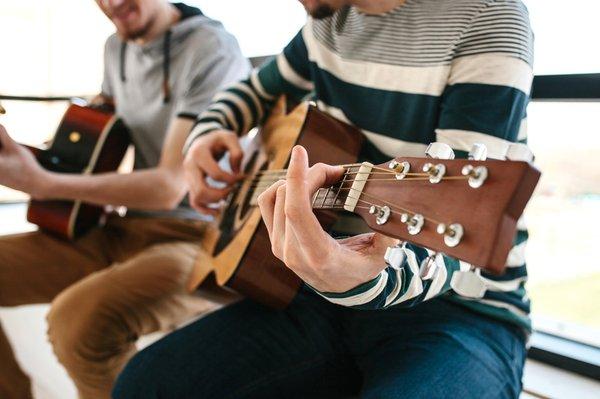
column 395, row 256
column 469, row 284
column 439, row 151
column 401, row 168
column 478, row 152
column 414, row 223
column 519, row 152
column 452, row 233
column 477, row 175
column 436, row 172
column 429, row 267
column 382, row 213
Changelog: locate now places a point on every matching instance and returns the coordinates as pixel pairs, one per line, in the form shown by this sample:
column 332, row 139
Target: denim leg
column 246, row 351
column 443, row 351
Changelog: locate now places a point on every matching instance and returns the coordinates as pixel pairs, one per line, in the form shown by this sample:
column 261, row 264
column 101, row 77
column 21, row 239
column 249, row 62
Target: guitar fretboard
column 332, row 197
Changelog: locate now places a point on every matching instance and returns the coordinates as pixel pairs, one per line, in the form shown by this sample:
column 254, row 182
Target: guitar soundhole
column 239, row 204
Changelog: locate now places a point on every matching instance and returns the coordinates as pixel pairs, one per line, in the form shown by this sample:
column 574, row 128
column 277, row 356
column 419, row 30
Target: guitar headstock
column 465, row 208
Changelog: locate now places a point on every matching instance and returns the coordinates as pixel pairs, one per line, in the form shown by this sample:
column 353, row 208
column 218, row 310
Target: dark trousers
column 315, row 349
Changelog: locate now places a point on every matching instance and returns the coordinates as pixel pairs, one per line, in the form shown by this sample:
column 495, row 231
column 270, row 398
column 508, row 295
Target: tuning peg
column 469, row 283
column 414, row 223
column 430, row 266
column 452, row 233
column 439, row 151
column 395, row 256
column 382, row 213
column 519, row 152
column 401, row 168
column 478, row 152
column 477, row 175
column 436, row 172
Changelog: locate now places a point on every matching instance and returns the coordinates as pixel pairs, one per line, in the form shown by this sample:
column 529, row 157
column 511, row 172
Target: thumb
column 381, row 242
column 5, row 140
column 236, row 153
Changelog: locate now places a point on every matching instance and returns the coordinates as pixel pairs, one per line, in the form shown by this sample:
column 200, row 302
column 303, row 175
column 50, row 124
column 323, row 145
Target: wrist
column 43, row 185
column 347, row 290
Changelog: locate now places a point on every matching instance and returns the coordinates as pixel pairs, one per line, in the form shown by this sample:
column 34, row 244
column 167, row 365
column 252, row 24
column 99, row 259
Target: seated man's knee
column 83, row 327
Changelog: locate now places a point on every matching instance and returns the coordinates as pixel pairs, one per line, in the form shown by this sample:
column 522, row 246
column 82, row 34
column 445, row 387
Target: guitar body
column 87, row 141
column 238, row 249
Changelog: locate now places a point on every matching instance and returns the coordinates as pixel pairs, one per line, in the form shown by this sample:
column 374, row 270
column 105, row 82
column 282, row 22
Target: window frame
column 550, row 348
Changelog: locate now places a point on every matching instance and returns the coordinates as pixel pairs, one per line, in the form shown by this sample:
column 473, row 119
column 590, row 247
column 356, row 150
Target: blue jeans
column 315, row 349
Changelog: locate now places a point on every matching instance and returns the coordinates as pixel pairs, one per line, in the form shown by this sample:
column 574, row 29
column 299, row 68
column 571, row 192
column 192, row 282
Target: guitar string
column 284, row 171
column 277, row 174
column 256, row 193
column 267, row 183
column 259, row 181
column 274, row 175
column 399, row 209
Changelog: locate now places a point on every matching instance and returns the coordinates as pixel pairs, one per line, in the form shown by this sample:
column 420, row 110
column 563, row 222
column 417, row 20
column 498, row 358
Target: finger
column 293, row 254
column 210, row 195
column 266, row 204
column 236, row 153
column 298, row 208
column 194, row 177
column 322, row 175
column 5, row 140
column 201, row 194
column 210, row 166
column 279, row 222
column 207, row 210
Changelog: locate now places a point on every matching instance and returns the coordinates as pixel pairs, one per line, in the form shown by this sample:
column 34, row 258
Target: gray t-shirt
column 204, row 58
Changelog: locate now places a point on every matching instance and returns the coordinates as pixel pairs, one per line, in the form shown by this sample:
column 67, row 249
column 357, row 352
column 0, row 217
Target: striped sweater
column 453, row 71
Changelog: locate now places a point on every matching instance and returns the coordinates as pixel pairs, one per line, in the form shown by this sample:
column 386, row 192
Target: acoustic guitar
column 465, row 208
column 88, row 140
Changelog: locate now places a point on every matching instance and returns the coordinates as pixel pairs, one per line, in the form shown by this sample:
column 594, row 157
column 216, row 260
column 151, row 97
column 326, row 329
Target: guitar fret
column 315, row 198
column 337, row 193
column 325, row 197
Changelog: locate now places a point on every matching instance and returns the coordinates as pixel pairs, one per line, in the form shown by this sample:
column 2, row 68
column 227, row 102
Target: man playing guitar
column 407, row 73
column 129, row 277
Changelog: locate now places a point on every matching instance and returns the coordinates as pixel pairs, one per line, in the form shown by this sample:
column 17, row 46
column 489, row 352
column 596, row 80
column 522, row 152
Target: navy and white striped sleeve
column 245, row 104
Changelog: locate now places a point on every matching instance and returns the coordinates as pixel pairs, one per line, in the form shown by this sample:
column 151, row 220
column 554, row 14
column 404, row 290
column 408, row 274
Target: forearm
column 399, row 286
column 151, row 189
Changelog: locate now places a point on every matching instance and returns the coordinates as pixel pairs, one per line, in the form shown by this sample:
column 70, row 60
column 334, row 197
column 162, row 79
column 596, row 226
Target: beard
column 322, row 11
column 133, row 33
column 129, row 34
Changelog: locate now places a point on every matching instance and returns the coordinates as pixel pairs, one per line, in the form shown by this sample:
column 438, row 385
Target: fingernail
column 296, row 152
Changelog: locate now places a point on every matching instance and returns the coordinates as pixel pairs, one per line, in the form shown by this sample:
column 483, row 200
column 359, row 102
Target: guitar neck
column 329, row 198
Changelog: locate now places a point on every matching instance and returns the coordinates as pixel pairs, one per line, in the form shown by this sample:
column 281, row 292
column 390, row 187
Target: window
column 564, row 283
